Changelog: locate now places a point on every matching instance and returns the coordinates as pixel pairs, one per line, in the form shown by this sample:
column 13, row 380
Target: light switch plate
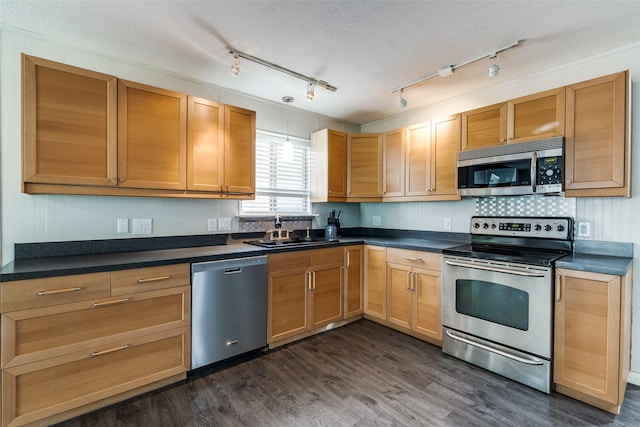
column 142, row 225
column 584, row 229
column 224, row 224
column 212, row 224
column 123, row 225
column 377, row 220
column 446, row 224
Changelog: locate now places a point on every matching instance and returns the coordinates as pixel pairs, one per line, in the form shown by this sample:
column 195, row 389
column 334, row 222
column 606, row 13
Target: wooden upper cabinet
column 598, row 146
column 239, row 150
column 205, row 145
column 393, row 160
column 364, row 166
column 418, row 160
column 328, row 166
column 445, row 145
column 152, row 137
column 484, row 127
column 536, row 116
column 69, row 122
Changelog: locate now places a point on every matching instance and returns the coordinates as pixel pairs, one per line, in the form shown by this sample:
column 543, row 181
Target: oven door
column 506, row 303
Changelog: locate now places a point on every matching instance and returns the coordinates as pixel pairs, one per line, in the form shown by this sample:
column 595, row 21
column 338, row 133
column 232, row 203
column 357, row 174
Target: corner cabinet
column 69, row 125
column 598, row 143
column 73, row 344
column 328, row 166
column 592, row 349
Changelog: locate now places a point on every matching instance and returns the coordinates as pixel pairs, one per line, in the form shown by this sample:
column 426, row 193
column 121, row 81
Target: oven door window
column 493, row 302
column 514, row 173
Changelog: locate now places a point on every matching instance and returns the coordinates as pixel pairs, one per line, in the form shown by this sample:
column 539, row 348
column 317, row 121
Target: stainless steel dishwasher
column 228, row 309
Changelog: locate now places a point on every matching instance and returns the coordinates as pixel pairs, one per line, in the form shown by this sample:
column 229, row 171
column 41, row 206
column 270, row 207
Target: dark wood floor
column 362, row 374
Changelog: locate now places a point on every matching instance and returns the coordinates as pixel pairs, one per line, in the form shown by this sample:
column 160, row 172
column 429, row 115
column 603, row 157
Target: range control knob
column 493, row 226
column 547, row 227
column 485, row 226
column 560, row 228
column 538, row 227
column 476, row 225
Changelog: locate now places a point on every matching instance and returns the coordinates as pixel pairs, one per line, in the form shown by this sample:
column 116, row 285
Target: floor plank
column 362, row 374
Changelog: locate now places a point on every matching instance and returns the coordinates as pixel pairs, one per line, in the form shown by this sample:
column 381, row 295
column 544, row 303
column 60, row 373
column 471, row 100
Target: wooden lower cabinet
column 592, row 349
column 375, row 298
column 66, row 355
column 413, row 284
column 353, row 278
column 304, row 292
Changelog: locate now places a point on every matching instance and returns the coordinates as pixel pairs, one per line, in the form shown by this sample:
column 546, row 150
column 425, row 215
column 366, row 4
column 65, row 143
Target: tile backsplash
column 526, row 206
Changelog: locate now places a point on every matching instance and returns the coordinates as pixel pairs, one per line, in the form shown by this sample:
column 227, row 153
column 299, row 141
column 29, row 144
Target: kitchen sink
column 266, row 243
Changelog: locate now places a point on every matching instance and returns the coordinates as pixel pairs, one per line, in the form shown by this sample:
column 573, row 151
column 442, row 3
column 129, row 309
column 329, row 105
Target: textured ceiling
column 365, row 48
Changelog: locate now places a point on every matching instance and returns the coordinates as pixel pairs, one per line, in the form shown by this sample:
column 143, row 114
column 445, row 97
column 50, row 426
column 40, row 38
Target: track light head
column 494, row 68
column 310, row 91
column 235, row 67
column 401, row 101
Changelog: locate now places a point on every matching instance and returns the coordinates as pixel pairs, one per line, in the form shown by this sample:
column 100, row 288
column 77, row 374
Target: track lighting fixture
column 494, row 68
column 235, row 68
column 401, row 101
column 310, row 91
column 311, row 82
column 449, row 70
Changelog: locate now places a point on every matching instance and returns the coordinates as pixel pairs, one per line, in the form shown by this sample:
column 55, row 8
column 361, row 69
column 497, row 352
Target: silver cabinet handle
column 531, row 361
column 153, row 279
column 59, row 291
column 558, row 287
column 108, row 303
column 409, row 280
column 499, row 269
column 408, row 258
column 111, row 350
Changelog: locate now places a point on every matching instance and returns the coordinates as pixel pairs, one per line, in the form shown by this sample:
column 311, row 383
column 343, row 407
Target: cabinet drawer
column 34, row 293
column 32, row 335
column 428, row 260
column 37, row 390
column 327, row 256
column 288, row 261
column 146, row 279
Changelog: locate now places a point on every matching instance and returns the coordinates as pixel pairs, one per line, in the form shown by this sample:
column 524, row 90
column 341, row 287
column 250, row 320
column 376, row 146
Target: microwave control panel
column 547, row 227
column 550, row 171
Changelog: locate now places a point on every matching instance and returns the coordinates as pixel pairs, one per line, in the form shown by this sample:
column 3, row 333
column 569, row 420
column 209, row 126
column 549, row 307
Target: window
column 282, row 176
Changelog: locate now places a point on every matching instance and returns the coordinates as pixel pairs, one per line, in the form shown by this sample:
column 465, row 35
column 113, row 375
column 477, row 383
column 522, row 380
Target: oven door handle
column 509, row 270
column 530, row 361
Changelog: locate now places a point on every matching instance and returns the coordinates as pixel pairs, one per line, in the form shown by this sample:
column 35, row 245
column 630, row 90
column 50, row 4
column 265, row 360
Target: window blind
column 282, row 176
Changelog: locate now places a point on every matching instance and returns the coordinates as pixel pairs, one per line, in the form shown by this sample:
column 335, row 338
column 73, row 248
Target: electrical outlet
column 446, row 224
column 212, row 224
column 377, row 220
column 123, row 225
column 142, row 225
column 584, row 229
column 224, row 224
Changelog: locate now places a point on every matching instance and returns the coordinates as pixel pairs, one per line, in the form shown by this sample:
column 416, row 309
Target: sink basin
column 266, row 243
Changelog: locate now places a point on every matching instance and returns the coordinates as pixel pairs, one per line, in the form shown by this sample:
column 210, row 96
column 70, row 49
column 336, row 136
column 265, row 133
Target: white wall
column 613, row 218
column 41, row 218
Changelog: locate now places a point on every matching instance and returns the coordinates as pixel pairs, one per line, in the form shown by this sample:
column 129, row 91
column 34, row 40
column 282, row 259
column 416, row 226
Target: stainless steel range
column 497, row 296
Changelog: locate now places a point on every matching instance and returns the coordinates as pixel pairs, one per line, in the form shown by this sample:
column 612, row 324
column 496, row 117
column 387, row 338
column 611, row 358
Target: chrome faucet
column 277, row 222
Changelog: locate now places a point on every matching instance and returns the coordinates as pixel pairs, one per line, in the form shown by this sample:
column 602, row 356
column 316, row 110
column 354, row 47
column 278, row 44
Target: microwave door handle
column 534, row 171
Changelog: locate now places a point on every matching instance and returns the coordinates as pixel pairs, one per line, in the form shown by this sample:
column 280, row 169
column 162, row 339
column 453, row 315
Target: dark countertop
column 50, row 266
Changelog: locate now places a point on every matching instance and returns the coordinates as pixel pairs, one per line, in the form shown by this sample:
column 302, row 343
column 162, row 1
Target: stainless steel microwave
column 535, row 167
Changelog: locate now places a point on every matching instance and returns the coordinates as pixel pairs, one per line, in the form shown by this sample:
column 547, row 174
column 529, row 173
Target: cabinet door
column 427, row 303
column 239, row 150
column 597, row 148
column 393, row 153
column 69, row 124
column 353, row 298
column 399, row 295
column 587, row 333
column 364, row 165
column 445, row 145
column 152, row 137
column 536, row 116
column 326, row 298
column 205, row 145
column 375, row 279
column 287, row 304
column 484, row 127
column 418, row 160
column 337, row 166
